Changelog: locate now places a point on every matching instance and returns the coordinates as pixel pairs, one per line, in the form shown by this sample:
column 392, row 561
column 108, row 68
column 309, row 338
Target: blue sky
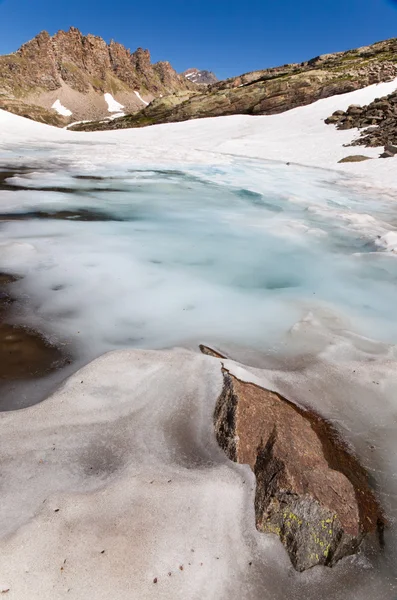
column 226, row 36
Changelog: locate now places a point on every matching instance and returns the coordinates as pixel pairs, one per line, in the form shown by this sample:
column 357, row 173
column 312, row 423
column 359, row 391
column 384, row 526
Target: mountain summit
column 82, row 77
column 200, row 77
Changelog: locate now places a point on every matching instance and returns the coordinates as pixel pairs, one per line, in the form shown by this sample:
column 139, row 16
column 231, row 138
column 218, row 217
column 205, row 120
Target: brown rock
column 390, row 148
column 24, row 353
column 310, row 490
column 354, row 158
column 380, row 120
column 210, row 352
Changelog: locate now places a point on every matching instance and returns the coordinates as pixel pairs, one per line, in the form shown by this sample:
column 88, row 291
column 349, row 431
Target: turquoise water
column 237, row 253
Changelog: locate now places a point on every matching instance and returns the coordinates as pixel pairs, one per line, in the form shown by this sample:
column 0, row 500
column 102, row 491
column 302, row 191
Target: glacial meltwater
column 283, row 268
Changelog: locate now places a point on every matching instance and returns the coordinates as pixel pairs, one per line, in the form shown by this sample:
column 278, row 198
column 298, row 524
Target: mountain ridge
column 274, row 90
column 70, row 77
column 77, row 70
column 200, row 77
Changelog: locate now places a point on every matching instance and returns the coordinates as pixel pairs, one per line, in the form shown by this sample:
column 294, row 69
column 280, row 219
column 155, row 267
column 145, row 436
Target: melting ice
column 237, row 253
column 294, row 263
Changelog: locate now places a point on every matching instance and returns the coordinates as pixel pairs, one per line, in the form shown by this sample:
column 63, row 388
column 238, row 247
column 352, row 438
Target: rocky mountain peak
column 200, row 77
column 78, row 70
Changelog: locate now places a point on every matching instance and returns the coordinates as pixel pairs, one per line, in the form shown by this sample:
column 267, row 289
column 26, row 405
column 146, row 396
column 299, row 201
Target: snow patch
column 76, row 123
column 61, row 110
column 298, row 136
column 113, row 105
column 137, row 94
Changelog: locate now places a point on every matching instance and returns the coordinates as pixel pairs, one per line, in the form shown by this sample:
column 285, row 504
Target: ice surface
column 234, row 253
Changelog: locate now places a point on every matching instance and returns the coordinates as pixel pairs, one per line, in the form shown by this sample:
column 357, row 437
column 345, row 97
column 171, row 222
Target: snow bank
column 61, row 110
column 298, row 136
column 111, row 489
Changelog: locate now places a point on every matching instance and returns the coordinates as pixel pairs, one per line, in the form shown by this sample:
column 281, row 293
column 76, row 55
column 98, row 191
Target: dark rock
column 311, row 491
column 391, row 149
column 354, row 158
column 379, row 119
column 354, row 109
column 386, row 155
column 210, row 352
column 24, row 353
column 347, row 124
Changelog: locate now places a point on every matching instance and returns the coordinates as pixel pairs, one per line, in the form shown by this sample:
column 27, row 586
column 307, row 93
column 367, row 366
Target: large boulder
column 311, row 491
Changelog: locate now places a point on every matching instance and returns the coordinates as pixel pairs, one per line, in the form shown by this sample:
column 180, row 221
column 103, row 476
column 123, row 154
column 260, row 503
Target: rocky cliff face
column 78, row 70
column 200, row 77
column 278, row 89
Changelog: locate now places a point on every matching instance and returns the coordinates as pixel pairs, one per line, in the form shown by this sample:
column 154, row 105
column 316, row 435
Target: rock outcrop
column 78, row 70
column 200, row 77
column 274, row 90
column 379, row 120
column 310, row 490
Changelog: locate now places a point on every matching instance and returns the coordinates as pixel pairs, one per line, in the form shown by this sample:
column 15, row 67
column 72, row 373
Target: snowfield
column 243, row 233
column 299, row 136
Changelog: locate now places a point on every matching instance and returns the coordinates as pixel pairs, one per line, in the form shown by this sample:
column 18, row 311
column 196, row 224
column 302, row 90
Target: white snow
column 114, row 487
column 388, row 241
column 113, row 105
column 76, row 123
column 141, row 99
column 298, row 136
column 61, row 110
column 115, row 116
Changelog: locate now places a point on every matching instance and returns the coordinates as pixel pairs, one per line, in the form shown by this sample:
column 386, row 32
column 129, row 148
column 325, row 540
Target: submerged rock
column 310, row 490
column 24, row 353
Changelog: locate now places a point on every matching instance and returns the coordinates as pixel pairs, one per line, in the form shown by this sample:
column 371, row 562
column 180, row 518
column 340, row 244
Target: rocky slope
column 273, row 90
column 200, row 77
column 78, row 70
column 379, row 120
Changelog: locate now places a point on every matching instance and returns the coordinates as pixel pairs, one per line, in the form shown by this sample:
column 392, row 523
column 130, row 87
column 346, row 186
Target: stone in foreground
column 310, row 490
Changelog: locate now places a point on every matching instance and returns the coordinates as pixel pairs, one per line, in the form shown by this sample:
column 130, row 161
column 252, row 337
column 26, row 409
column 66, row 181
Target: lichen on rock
column 311, row 490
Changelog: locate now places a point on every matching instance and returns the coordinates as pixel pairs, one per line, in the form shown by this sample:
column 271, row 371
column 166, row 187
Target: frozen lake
column 288, row 269
column 238, row 253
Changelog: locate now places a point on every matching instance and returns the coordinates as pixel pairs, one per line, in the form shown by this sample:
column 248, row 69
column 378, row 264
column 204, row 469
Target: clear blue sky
column 227, row 36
